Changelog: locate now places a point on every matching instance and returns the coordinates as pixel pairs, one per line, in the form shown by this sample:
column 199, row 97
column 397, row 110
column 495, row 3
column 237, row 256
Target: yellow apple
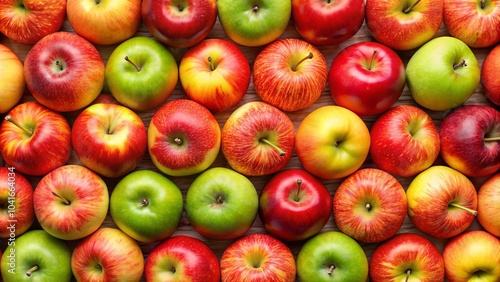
column 11, row 79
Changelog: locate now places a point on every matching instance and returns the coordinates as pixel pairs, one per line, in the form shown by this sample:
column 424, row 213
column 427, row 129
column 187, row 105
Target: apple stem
column 299, row 185
column 10, row 119
column 482, row 4
column 309, row 56
column 220, row 199
column 66, row 202
column 331, row 269
column 370, row 66
column 178, row 141
column 212, row 66
column 368, row 206
column 61, row 67
column 31, row 270
column 464, row 208
column 408, row 272
column 255, row 9
column 144, row 203
column 491, row 139
column 459, row 65
column 280, row 151
column 407, row 10
column 133, row 64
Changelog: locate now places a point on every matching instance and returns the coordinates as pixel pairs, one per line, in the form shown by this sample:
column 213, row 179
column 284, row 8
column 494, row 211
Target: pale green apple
column 442, row 74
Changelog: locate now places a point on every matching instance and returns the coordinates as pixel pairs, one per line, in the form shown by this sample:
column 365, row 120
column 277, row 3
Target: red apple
column 488, row 209
column 184, row 138
column 215, row 73
column 294, row 205
column 290, row 74
column 179, row 24
column 470, row 140
column 405, row 141
column 370, row 205
column 490, row 71
column 34, row 139
column 257, row 257
column 367, row 78
column 334, row 21
column 257, row 139
column 64, row 71
column 406, row 257
column 27, row 21
column 182, row 258
column 110, row 139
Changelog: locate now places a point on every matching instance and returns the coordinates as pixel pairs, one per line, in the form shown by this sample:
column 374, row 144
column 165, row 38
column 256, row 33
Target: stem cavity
column 64, row 200
column 212, row 66
column 299, row 185
column 278, row 149
column 407, row 10
column 132, row 63
column 13, row 121
column 464, row 208
column 309, row 56
column 460, row 65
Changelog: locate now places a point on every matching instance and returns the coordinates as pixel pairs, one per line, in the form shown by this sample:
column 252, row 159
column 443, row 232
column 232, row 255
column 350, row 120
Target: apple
column 294, row 205
column 488, row 210
column 489, row 73
column 404, row 141
column 182, row 258
column 71, row 202
column 475, row 22
column 331, row 256
column 107, row 254
column 34, row 139
column 64, row 71
column 257, row 257
column 470, row 140
column 403, row 24
column 257, row 139
column 184, row 138
column 370, row 205
column 27, row 21
column 290, row 74
column 332, row 142
column 16, row 204
column 141, row 73
column 334, row 21
column 215, row 73
column 406, row 257
column 442, row 202
column 367, row 78
column 11, row 79
column 146, row 205
column 109, row 139
column 36, row 256
column 221, row 203
column 104, row 22
column 472, row 256
column 180, row 24
column 449, row 80
column 254, row 23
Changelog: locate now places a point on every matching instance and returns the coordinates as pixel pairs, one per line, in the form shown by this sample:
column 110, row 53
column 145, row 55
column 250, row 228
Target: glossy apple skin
column 370, row 205
column 257, row 257
column 488, row 209
column 332, row 142
column 199, row 134
column 367, row 78
column 392, row 259
column 49, row 146
column 29, row 24
column 334, row 21
column 11, row 79
column 180, row 24
column 104, row 22
column 242, row 134
column 291, row 211
column 404, row 141
column 107, row 254
column 182, row 258
column 462, row 134
column 475, row 22
column 110, row 139
column 282, row 80
column 430, row 196
column 472, row 256
column 490, row 70
column 16, row 202
column 219, row 83
column 414, row 28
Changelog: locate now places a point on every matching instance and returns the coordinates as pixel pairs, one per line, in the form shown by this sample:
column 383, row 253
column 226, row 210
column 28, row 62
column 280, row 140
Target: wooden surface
column 183, row 182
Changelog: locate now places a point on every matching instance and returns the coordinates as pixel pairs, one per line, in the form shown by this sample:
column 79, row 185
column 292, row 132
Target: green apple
column 141, row 73
column 254, row 22
column 146, row 205
column 36, row 256
column 221, row 203
column 332, row 256
column 442, row 74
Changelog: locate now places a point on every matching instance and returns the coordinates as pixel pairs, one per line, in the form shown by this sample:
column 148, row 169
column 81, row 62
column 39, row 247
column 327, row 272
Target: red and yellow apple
column 488, row 209
column 11, row 79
